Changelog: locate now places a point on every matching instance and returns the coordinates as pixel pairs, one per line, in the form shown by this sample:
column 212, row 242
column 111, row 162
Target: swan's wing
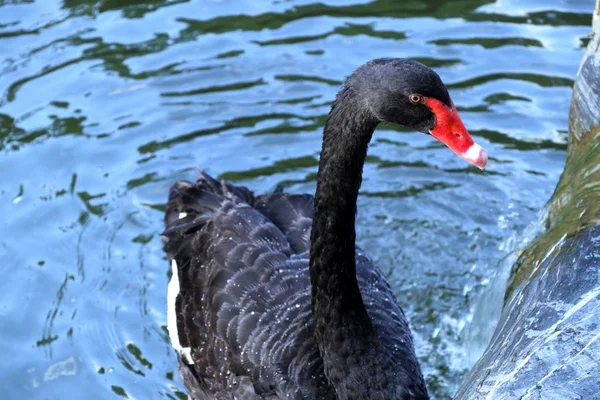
column 242, row 308
column 388, row 318
column 292, row 214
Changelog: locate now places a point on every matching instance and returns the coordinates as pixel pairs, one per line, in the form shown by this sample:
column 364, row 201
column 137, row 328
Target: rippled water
column 103, row 104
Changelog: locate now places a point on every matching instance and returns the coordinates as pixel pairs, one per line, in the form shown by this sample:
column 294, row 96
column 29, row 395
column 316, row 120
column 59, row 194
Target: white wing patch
column 172, row 292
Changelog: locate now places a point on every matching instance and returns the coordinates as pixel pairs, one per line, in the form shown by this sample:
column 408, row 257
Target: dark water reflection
column 103, row 104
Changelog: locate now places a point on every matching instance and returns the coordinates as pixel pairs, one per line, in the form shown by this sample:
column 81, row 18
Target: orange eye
column 415, row 98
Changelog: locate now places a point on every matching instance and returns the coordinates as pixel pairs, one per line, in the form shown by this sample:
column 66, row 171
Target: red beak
column 450, row 130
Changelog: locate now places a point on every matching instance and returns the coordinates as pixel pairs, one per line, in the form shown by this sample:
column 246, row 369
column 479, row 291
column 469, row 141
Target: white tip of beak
column 476, row 155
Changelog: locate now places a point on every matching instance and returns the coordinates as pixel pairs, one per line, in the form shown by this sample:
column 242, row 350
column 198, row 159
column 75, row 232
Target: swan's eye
column 415, row 98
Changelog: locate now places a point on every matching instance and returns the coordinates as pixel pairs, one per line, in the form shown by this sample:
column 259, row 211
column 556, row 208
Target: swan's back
column 242, row 305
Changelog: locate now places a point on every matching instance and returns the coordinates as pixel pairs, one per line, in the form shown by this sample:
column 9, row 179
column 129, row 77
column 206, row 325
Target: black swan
column 269, row 297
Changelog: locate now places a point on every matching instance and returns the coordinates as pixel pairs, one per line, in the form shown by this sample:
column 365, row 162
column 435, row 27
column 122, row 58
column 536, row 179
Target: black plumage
column 275, row 301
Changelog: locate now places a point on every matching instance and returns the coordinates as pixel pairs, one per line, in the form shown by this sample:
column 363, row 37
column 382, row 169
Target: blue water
column 104, row 103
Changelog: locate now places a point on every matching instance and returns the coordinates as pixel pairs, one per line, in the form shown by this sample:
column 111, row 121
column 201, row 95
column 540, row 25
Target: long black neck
column 337, row 305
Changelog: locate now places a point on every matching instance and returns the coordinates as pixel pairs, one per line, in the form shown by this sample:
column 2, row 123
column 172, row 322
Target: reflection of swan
column 252, row 315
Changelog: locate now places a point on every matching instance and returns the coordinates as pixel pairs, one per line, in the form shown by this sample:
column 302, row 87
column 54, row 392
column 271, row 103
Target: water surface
column 103, row 104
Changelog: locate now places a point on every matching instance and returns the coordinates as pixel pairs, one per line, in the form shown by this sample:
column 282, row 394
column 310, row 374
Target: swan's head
column 410, row 94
